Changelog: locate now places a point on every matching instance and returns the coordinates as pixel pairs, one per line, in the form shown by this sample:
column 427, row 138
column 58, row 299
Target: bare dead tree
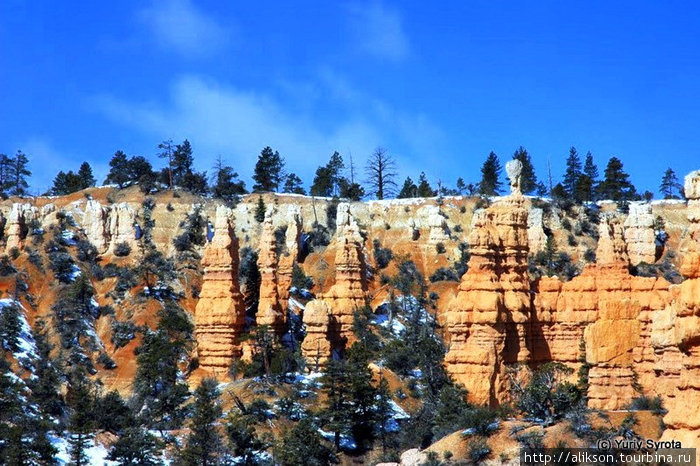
column 381, row 172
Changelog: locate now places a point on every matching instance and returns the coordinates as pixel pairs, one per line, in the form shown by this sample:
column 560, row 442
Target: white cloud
column 237, row 124
column 379, row 30
column 180, row 26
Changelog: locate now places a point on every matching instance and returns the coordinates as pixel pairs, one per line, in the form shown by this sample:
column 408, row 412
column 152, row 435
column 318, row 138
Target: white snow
column 75, row 273
column 96, row 454
column 346, row 441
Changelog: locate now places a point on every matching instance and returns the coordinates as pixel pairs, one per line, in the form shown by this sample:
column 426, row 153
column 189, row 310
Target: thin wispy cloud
column 180, row 26
column 238, row 123
column 379, row 31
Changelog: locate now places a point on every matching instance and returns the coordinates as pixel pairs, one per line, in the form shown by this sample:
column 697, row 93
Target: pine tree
column 81, row 422
column 408, row 190
column 363, row 415
column 461, row 186
column 573, row 171
column 591, row 171
column 381, row 172
column 204, row 443
column 17, row 181
column 136, row 446
column 243, row 440
column 424, row 189
column 45, row 387
column 337, row 411
column 490, row 184
column 260, row 210
column 66, row 183
column 119, row 170
column 10, row 327
column 616, row 185
column 166, row 148
column 5, row 166
column 293, row 185
column 670, row 187
column 269, row 171
column 182, row 163
column 303, row 445
column 528, row 178
column 327, row 179
column 87, row 180
column 384, row 411
column 226, row 184
column 351, row 190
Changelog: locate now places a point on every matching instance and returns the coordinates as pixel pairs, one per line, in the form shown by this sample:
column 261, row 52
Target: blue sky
column 438, row 86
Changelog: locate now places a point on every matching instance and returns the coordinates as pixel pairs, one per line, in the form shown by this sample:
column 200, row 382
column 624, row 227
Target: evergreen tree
column 166, row 148
column 243, row 441
column 269, row 171
column 45, row 387
column 461, row 186
column 303, row 445
column 10, row 327
column 591, row 171
column 260, row 210
column 87, row 180
column 182, row 163
column 136, row 447
column 616, row 185
column 5, row 167
column 81, row 423
column 528, row 178
column 670, row 187
column 583, row 192
column 490, row 184
column 112, row 414
column 158, row 390
column 573, row 171
column 204, row 443
column 66, row 183
column 408, row 190
column 337, row 412
column 119, row 170
column 17, row 181
column 293, row 185
column 226, row 184
column 381, row 172
column 424, row 189
column 351, row 190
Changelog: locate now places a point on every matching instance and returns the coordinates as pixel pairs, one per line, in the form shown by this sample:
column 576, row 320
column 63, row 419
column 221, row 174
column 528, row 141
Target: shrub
column 458, row 228
column 106, row 361
column 87, row 252
column 122, row 249
column 571, row 240
column 440, row 248
column 481, row 420
column 35, row 259
column 546, row 397
column 14, row 253
column 444, row 274
column 589, row 255
column 382, row 256
column 566, row 224
column 645, row 403
column 6, row 267
column 300, row 280
column 61, row 263
column 478, row 450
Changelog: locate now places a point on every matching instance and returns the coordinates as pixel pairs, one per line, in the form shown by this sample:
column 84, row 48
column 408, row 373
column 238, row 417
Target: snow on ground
column 75, row 273
column 96, row 454
column 346, row 441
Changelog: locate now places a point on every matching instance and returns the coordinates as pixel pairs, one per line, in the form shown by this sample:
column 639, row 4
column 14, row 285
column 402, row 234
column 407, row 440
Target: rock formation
column 121, row 226
column 488, row 320
column 95, row 225
column 18, row 224
column 289, row 256
column 438, row 227
column 639, row 234
column 348, row 293
column 536, row 237
column 317, row 346
column 683, row 418
column 270, row 312
column 220, row 314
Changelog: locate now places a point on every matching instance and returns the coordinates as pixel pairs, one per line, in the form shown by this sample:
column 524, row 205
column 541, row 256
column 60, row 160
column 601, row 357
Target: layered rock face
column 95, row 221
column 220, row 314
column 437, row 227
column 269, row 310
column 348, row 293
column 683, row 418
column 639, row 234
column 121, row 226
column 489, row 319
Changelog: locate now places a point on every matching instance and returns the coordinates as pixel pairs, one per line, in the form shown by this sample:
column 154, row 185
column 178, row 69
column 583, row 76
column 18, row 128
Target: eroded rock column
column 220, row 314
